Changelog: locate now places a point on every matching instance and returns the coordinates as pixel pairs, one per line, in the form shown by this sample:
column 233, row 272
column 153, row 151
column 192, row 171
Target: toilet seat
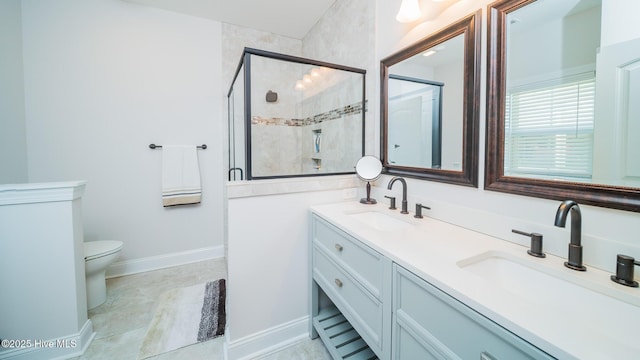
column 98, row 249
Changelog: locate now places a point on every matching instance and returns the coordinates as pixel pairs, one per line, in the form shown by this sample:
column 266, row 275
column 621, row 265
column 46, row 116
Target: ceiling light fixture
column 409, row 11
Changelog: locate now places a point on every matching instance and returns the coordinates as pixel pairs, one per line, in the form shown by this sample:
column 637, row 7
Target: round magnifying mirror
column 368, row 169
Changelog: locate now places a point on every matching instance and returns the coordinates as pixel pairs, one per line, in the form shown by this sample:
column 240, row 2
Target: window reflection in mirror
column 550, row 90
column 429, row 106
column 563, row 77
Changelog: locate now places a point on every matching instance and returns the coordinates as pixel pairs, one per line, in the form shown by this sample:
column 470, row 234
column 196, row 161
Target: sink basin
column 518, row 279
column 380, row 221
column 587, row 304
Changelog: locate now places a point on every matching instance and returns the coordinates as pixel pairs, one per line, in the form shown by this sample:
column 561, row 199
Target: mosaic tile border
column 353, row 109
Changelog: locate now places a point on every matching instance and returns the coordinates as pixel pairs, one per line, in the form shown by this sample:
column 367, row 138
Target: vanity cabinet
column 429, row 324
column 378, row 309
column 357, row 280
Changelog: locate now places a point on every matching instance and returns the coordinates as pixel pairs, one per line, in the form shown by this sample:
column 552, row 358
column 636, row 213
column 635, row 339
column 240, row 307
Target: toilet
column 98, row 255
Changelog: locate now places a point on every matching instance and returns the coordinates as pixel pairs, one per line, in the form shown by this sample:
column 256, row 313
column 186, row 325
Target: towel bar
column 154, row 146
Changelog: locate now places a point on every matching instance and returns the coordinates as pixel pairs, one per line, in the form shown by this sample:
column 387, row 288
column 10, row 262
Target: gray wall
column 104, row 79
column 13, row 141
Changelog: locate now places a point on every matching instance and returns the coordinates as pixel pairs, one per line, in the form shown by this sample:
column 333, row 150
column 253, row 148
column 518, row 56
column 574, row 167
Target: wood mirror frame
column 471, row 29
column 622, row 198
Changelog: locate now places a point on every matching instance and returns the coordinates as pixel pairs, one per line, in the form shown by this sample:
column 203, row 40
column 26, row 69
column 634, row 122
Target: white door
column 617, row 115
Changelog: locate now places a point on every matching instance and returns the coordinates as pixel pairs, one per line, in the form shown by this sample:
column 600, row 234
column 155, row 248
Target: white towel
column 180, row 175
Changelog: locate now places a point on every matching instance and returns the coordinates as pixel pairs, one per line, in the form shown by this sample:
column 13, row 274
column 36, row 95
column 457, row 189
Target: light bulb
column 409, row 11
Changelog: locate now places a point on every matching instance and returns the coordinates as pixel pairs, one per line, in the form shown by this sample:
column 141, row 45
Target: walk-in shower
column 290, row 116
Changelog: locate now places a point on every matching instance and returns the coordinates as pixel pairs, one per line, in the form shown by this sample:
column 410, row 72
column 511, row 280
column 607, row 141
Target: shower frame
column 246, row 61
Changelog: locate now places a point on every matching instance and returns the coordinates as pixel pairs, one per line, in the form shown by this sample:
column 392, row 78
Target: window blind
column 549, row 128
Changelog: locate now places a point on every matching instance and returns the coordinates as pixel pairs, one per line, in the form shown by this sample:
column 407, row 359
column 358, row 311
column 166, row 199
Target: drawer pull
column 486, row 356
column 339, row 247
column 338, row 282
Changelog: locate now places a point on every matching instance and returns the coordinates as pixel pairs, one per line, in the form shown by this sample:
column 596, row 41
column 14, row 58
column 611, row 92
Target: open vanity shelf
column 341, row 339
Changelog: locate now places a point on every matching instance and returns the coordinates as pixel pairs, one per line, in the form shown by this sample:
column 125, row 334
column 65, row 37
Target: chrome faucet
column 575, row 246
column 404, row 192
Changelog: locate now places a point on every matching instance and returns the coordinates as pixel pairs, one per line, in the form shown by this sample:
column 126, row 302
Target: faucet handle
column 624, row 270
column 392, row 199
column 536, row 243
column 419, row 208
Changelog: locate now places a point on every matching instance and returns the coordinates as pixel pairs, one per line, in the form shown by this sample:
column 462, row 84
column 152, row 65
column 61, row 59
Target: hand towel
column 180, row 175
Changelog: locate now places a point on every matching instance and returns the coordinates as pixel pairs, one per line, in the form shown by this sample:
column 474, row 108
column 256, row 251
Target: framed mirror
column 429, row 106
column 561, row 122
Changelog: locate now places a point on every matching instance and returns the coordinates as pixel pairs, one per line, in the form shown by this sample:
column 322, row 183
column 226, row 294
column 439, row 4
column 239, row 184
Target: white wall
column 104, row 79
column 268, row 264
column 47, row 263
column 452, row 75
column 619, row 20
column 13, row 141
column 558, row 47
column 605, row 232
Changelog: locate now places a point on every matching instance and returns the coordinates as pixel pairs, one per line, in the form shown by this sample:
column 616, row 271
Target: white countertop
column 436, row 251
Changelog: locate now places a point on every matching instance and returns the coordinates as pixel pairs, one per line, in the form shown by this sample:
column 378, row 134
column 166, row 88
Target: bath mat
column 186, row 316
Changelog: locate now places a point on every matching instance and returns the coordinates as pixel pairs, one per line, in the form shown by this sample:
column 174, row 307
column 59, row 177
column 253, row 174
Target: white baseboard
column 128, row 267
column 65, row 347
column 268, row 341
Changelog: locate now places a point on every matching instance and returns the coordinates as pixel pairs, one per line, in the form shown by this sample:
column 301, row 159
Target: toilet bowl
column 98, row 255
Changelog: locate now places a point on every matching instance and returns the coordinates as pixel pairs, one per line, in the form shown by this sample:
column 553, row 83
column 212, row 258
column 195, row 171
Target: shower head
column 272, row 96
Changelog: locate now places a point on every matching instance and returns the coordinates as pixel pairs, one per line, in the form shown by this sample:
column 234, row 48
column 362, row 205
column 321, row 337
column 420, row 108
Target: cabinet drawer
column 362, row 310
column 441, row 326
column 362, row 262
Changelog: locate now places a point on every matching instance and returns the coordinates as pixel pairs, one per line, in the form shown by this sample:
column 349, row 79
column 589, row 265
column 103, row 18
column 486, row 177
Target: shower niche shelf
column 317, row 142
column 341, row 339
column 317, row 148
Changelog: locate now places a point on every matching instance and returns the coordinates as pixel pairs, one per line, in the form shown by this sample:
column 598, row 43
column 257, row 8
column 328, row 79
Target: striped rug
column 186, row 316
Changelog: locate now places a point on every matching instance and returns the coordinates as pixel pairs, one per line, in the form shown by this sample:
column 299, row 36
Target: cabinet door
column 411, row 343
column 363, row 263
column 429, row 324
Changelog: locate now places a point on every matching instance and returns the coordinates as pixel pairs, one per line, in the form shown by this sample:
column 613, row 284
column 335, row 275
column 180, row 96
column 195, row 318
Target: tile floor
column 121, row 322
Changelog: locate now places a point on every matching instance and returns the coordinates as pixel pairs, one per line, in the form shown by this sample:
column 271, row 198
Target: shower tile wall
column 283, row 132
column 354, row 48
column 335, row 110
column 234, row 40
column 275, row 135
column 290, row 143
column 340, row 142
column 275, row 148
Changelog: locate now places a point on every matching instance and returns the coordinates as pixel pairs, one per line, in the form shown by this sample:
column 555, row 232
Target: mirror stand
column 368, row 169
column 368, row 199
